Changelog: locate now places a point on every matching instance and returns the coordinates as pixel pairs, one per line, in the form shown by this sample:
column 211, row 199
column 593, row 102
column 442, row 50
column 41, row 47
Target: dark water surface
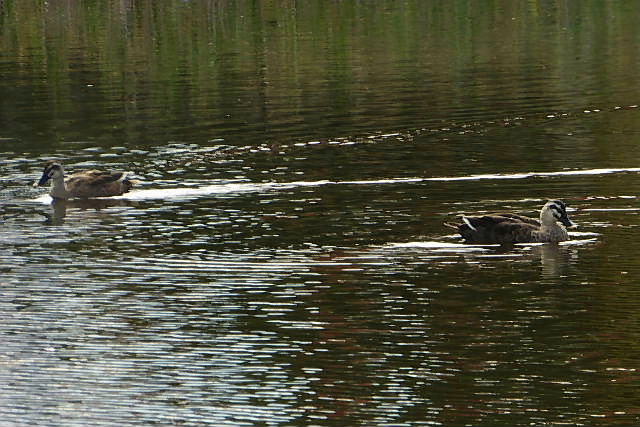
column 282, row 261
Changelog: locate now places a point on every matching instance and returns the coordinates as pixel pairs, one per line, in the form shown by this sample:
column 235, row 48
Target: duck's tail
column 127, row 184
column 466, row 221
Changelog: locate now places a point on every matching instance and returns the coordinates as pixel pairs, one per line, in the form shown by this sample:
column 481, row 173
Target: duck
column 508, row 228
column 83, row 185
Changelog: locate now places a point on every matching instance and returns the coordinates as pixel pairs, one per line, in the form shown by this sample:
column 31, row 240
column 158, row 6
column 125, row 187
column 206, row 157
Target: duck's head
column 555, row 211
column 52, row 170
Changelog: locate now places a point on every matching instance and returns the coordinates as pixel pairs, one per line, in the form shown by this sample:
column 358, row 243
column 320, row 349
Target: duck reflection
column 555, row 260
column 60, row 207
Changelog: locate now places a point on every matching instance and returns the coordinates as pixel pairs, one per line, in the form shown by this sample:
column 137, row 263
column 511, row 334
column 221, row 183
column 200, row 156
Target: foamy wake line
column 195, row 191
column 230, row 188
column 434, row 246
column 600, row 171
column 214, row 189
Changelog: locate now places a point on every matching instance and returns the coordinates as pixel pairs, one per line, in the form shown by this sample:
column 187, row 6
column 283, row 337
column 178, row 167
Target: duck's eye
column 51, row 169
column 557, row 208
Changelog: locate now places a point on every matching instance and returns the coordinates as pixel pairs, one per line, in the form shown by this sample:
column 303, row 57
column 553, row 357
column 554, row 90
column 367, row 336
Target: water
column 282, row 259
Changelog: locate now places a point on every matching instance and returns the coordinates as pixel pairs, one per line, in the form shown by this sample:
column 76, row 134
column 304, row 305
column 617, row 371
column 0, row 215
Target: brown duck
column 506, row 229
column 83, row 185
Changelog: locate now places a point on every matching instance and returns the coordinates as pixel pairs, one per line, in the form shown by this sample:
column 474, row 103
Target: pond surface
column 282, row 260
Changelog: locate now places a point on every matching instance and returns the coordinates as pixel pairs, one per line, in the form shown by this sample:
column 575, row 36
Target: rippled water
column 290, row 266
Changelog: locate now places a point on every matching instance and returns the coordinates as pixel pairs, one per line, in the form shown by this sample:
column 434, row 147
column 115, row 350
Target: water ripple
column 178, row 193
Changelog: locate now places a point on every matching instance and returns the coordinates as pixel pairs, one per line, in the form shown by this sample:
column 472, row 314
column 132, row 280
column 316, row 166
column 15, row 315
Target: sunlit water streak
column 243, row 187
column 464, row 248
column 599, row 171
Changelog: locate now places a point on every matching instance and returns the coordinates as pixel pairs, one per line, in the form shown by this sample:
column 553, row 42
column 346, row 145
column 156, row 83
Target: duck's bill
column 567, row 222
column 42, row 181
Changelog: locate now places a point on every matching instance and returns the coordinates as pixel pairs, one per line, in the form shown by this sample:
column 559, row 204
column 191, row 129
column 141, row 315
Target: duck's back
column 524, row 219
column 96, row 183
column 499, row 229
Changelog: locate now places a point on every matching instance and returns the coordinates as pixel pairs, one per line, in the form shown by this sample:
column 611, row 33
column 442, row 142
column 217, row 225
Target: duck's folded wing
column 91, row 184
column 108, row 177
column 95, row 177
column 502, row 229
column 515, row 232
column 521, row 218
column 488, row 221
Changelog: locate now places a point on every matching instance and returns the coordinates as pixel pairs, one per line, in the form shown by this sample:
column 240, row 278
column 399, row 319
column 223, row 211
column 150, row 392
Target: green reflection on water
column 252, row 71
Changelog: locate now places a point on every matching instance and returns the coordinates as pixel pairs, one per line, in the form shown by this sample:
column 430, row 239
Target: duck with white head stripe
column 83, row 185
column 506, row 228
